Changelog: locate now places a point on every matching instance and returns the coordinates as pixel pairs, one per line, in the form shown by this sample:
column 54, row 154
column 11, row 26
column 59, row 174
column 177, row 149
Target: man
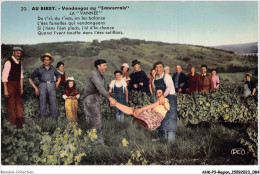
column 205, row 81
column 180, row 80
column 249, row 87
column 90, row 96
column 46, row 89
column 138, row 79
column 164, row 81
column 12, row 78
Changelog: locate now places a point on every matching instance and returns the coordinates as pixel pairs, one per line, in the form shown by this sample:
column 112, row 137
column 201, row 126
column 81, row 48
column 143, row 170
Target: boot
column 171, row 137
column 118, row 117
column 100, row 138
column 122, row 118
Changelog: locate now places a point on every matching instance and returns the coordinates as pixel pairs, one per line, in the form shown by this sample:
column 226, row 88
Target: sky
column 205, row 23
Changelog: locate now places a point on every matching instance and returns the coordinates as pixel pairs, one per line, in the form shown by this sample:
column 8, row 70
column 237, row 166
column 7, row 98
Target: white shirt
column 64, row 96
column 7, row 68
column 118, row 83
column 168, row 82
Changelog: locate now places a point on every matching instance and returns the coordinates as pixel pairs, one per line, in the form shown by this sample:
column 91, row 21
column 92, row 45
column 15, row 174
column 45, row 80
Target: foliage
column 137, row 158
column 224, row 104
column 125, row 142
column 139, row 99
column 92, row 134
column 56, row 141
column 252, row 141
column 63, row 147
column 20, row 146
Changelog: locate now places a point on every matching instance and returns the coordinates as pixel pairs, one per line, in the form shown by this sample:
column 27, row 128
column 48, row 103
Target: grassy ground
column 204, row 144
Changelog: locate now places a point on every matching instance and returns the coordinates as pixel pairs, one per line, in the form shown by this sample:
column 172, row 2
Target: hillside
column 79, row 56
column 247, row 48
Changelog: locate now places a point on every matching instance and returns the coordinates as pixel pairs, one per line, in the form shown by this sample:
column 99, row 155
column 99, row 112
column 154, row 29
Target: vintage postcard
column 129, row 87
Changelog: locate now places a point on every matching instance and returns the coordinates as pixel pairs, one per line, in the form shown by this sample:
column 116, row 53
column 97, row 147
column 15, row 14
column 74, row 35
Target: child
column 118, row 90
column 152, row 115
column 71, row 96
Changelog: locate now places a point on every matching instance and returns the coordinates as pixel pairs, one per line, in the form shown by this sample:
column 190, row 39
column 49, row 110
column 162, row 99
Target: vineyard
column 209, row 127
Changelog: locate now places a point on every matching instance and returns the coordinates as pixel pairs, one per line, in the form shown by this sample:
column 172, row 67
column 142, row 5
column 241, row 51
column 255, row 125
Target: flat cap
column 17, row 49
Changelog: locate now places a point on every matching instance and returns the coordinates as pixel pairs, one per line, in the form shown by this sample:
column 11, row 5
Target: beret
column 99, row 61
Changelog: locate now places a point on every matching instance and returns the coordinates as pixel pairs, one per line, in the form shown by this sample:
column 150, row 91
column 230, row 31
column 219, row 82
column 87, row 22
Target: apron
column 169, row 122
column 119, row 95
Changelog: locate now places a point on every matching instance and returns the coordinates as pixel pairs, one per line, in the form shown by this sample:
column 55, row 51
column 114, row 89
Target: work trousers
column 15, row 103
column 47, row 91
column 92, row 111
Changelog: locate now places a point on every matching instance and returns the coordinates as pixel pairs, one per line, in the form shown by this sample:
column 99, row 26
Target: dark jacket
column 251, row 85
column 139, row 77
column 182, row 83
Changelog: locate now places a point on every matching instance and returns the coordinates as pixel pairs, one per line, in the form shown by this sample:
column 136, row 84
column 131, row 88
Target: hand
column 141, row 84
column 135, row 85
column 161, row 100
column 126, row 100
column 137, row 112
column 6, row 94
column 56, row 85
column 37, row 91
column 21, row 91
column 179, row 90
column 112, row 101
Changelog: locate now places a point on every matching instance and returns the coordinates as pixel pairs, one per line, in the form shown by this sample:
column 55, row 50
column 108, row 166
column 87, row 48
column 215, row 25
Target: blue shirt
column 45, row 75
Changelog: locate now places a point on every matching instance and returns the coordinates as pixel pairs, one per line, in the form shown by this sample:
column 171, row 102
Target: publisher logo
column 239, row 151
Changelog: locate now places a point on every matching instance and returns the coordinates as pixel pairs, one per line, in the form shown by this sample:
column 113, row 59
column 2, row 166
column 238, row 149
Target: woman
column 167, row 70
column 60, row 68
column 149, row 116
column 249, row 87
column 152, row 75
column 125, row 70
column 193, row 79
column 215, row 78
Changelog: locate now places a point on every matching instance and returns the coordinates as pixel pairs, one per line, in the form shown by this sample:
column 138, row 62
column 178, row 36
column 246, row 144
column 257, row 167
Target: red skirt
column 150, row 119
